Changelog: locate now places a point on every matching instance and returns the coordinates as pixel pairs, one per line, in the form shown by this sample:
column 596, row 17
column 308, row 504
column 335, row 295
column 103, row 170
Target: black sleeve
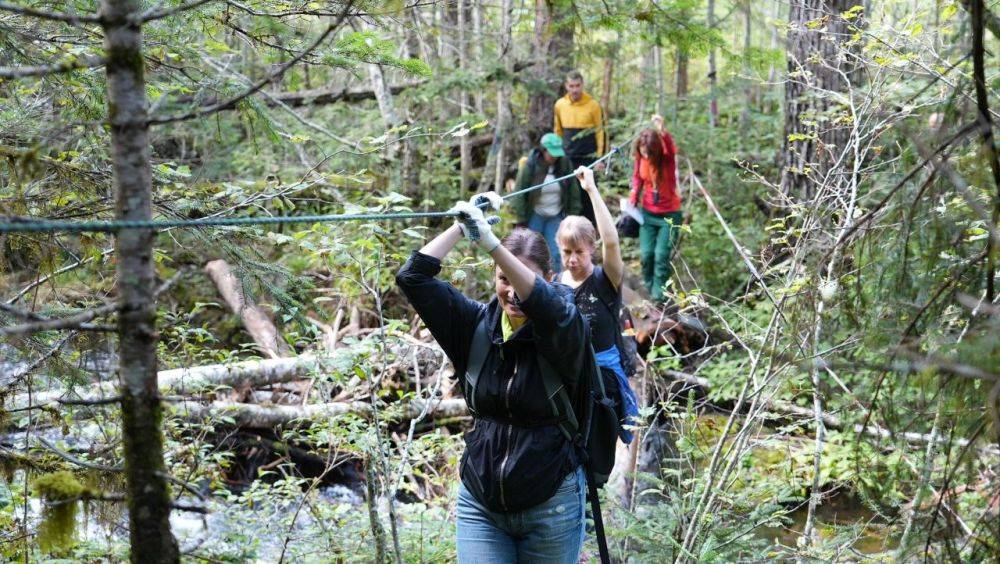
column 561, row 334
column 450, row 316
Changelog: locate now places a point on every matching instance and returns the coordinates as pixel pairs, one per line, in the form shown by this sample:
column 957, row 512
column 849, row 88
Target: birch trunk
column 146, row 485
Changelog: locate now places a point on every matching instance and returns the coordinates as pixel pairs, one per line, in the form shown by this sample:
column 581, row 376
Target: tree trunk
column 493, row 173
column 383, row 95
column 552, row 54
column 145, row 473
column 713, row 103
column 978, row 12
column 814, row 56
column 682, row 74
column 609, row 73
column 749, row 90
column 465, row 151
column 477, row 32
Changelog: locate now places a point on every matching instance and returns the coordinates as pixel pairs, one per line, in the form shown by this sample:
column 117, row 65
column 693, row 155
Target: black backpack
column 592, row 428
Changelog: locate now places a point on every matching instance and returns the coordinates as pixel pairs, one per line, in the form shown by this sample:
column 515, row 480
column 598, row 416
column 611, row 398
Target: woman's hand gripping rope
column 474, row 223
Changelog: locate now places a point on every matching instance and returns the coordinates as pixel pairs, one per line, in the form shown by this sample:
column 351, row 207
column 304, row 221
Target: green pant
column 656, row 243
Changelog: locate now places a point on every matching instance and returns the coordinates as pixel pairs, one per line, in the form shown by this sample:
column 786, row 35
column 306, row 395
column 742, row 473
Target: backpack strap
column 614, row 303
column 481, row 344
column 562, row 407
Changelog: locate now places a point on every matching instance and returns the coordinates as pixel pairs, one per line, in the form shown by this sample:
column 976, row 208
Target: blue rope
column 35, row 225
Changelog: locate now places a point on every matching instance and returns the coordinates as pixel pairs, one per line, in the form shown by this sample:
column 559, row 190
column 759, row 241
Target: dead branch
column 255, row 319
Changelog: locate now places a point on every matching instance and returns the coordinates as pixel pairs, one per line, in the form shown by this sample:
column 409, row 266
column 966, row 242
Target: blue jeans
column 551, row 532
column 548, row 226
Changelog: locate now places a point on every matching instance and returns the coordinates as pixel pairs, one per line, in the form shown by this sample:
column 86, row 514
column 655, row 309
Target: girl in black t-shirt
column 597, row 289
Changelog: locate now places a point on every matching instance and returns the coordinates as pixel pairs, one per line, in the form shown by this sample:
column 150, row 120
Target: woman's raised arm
column 611, row 250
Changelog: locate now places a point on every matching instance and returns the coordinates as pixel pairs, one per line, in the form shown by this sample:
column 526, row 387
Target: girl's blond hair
column 576, row 229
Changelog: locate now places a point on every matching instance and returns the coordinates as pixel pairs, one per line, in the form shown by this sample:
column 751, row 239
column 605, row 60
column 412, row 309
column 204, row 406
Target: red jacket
column 666, row 199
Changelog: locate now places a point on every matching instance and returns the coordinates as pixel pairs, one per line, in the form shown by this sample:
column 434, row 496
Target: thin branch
column 257, row 85
column 20, row 313
column 74, row 19
column 90, row 401
column 42, row 70
column 38, row 362
column 62, row 270
column 157, row 14
column 77, row 321
column 184, row 485
column 79, row 462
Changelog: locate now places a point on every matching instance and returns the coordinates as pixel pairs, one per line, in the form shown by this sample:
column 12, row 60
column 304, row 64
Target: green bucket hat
column 553, row 144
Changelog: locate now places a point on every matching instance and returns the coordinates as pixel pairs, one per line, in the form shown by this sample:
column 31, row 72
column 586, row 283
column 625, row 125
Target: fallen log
column 184, row 381
column 247, row 374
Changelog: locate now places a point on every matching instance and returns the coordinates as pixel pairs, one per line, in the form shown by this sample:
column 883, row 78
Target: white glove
column 492, row 198
column 476, row 226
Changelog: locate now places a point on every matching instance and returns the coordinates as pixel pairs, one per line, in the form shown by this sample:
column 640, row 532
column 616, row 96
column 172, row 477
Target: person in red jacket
column 654, row 189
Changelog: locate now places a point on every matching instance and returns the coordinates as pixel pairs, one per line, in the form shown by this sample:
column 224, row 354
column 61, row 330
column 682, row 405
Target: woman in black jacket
column 522, row 493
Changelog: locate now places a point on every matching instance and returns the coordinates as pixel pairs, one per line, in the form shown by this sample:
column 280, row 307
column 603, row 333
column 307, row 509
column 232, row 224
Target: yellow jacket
column 581, row 125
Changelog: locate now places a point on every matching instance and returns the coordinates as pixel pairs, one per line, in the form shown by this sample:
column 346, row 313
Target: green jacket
column 531, row 171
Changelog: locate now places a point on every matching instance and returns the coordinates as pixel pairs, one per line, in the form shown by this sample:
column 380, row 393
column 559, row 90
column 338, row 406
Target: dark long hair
column 650, row 139
column 527, row 244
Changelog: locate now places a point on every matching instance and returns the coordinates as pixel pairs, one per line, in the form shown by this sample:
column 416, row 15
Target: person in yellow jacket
column 579, row 120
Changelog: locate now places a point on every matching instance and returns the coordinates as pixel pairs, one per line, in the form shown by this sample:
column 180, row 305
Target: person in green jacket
column 542, row 210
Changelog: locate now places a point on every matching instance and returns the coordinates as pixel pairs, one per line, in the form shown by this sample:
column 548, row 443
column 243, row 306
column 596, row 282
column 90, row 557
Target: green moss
column 59, row 486
column 57, row 529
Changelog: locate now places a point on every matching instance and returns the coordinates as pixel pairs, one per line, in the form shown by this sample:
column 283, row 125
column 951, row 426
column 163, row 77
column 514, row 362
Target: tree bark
column 813, row 61
column 496, row 160
column 713, row 102
column 465, row 151
column 477, row 32
column 978, row 12
column 609, row 73
column 749, row 90
column 682, row 74
column 552, row 53
column 145, row 473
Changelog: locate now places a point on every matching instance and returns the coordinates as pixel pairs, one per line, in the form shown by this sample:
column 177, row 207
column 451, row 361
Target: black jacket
column 515, row 455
